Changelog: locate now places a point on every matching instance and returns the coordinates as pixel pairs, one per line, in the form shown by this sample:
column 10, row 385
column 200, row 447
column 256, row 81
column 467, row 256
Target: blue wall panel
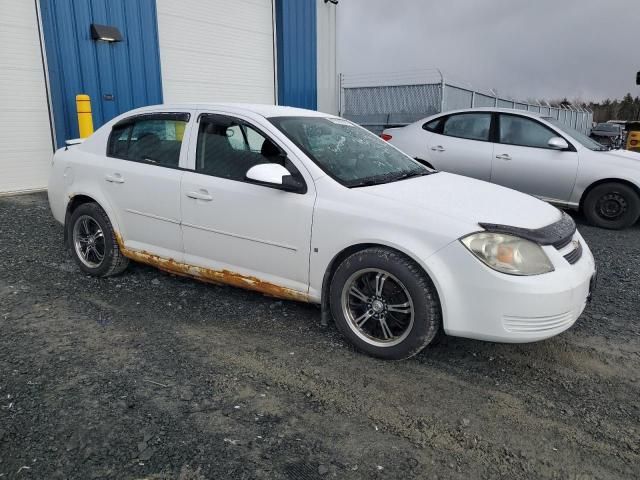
column 127, row 70
column 297, row 53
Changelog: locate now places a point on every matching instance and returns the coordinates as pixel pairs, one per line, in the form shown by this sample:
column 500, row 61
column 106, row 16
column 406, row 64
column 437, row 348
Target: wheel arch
column 77, row 199
column 602, row 181
column 357, row 247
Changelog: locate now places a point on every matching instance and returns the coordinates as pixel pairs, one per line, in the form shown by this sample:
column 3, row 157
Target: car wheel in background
column 384, row 303
column 612, row 205
column 92, row 242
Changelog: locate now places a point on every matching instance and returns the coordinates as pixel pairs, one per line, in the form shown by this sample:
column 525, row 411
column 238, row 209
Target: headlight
column 508, row 254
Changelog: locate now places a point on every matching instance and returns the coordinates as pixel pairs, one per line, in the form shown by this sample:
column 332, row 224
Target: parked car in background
column 608, row 134
column 305, row 206
column 536, row 155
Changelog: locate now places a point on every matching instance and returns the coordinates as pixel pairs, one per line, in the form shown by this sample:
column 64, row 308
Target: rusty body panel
column 218, row 277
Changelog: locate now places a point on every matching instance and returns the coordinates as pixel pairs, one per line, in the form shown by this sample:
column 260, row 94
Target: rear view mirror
column 275, row 176
column 558, row 143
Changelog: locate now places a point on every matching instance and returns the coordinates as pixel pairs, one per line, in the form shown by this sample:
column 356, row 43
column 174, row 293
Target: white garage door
column 25, row 134
column 217, row 51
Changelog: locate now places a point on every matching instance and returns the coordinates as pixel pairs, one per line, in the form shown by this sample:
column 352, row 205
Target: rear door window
column 472, row 126
column 155, row 139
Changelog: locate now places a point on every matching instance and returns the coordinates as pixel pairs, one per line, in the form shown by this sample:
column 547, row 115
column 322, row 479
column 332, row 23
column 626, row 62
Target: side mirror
column 558, row 143
column 275, row 176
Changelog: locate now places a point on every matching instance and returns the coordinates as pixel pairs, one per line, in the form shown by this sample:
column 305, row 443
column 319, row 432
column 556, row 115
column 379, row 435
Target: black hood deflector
column 557, row 234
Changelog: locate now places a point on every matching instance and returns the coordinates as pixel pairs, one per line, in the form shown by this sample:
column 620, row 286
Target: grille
column 575, row 255
column 538, row 324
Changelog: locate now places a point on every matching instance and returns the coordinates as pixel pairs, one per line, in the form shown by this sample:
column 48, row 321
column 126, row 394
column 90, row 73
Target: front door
column 142, row 181
column 524, row 161
column 242, row 233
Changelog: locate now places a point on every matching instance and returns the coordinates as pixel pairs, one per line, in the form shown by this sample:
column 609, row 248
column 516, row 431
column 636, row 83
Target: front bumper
column 478, row 302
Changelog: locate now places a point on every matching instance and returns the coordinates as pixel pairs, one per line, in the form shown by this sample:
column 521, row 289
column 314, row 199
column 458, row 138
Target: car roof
column 492, row 109
column 263, row 110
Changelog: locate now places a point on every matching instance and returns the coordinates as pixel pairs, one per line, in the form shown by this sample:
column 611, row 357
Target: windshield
column 578, row 136
column 352, row 155
column 607, row 127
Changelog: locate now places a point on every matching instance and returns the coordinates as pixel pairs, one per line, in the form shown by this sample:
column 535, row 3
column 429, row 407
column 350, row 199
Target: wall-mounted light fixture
column 105, row 33
column 335, row 2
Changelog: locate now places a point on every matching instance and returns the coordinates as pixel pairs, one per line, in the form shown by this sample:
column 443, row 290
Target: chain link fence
column 379, row 101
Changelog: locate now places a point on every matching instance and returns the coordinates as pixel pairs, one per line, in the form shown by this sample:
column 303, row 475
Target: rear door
column 255, row 236
column 142, row 178
column 524, row 161
column 461, row 144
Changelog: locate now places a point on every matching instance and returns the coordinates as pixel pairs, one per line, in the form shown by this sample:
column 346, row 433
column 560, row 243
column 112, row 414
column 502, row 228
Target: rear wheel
column 384, row 303
column 93, row 242
column 612, row 205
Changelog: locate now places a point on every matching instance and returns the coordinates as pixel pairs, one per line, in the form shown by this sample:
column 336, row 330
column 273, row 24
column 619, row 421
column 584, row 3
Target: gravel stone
column 81, row 386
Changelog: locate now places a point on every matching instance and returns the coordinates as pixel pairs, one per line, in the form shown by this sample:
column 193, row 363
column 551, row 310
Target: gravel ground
column 152, row 376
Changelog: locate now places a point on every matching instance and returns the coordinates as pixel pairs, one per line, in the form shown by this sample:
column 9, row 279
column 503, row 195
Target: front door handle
column 115, row 178
column 200, row 195
column 504, row 156
column 438, row 148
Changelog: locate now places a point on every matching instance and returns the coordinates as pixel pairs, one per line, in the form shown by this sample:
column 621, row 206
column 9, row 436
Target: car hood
column 623, row 156
column 468, row 200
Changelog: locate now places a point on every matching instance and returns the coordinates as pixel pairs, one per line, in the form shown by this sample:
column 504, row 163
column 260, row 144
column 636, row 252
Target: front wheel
column 612, row 205
column 384, row 304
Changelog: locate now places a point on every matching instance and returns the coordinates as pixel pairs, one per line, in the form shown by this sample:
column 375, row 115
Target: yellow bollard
column 85, row 119
column 180, row 126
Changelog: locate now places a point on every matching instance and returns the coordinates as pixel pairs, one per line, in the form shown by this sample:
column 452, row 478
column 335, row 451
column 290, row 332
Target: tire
column 393, row 322
column 612, row 205
column 87, row 221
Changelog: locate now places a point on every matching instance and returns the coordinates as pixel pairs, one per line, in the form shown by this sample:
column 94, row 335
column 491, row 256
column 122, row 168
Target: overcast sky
column 549, row 49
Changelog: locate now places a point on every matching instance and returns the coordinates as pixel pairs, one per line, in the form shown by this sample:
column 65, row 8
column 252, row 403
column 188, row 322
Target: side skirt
column 218, row 277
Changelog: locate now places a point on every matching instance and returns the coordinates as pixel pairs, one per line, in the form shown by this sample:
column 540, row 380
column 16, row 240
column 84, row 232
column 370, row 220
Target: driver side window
column 515, row 130
column 228, row 148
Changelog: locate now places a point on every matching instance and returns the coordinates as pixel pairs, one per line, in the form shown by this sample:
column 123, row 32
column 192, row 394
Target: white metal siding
column 25, row 134
column 219, row 50
column 327, row 73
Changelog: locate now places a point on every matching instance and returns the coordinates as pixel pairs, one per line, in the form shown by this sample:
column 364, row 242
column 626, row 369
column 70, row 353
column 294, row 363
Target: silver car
column 534, row 154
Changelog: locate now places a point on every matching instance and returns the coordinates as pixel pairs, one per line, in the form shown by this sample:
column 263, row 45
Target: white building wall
column 25, row 133
column 327, row 70
column 217, row 51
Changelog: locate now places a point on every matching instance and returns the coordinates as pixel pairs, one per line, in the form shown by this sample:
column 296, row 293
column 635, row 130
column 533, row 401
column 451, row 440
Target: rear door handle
column 200, row 195
column 115, row 178
column 438, row 148
column 504, row 156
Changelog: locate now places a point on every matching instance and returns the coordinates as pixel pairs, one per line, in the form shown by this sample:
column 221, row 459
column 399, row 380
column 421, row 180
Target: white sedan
column 533, row 154
column 306, row 206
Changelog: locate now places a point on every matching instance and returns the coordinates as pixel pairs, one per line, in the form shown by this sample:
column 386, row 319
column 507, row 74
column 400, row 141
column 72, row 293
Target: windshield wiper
column 372, row 180
column 415, row 173
column 388, row 178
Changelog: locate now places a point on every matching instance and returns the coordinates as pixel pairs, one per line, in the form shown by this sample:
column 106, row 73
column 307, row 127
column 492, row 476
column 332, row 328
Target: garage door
column 217, row 51
column 25, row 134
